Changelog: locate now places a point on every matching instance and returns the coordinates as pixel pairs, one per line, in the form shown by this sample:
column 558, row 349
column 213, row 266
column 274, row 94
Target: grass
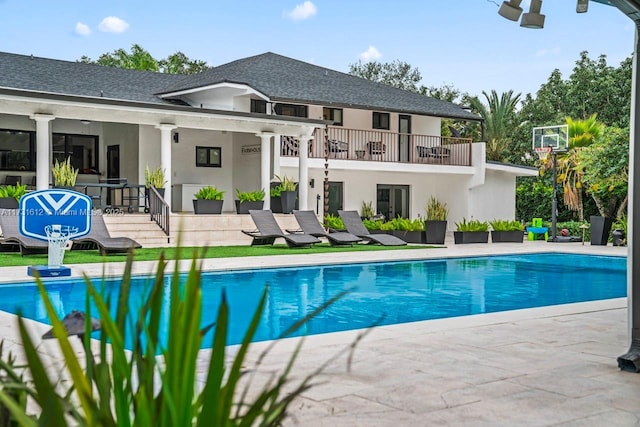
column 153, row 254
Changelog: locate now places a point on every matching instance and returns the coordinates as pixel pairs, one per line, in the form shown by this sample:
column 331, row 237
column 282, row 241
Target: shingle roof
column 74, row 78
column 280, row 78
column 286, row 79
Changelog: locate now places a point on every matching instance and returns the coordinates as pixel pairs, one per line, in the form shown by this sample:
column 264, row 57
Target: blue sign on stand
column 55, row 216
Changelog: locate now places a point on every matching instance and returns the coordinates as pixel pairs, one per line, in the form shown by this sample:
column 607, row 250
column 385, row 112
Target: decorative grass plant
column 64, row 175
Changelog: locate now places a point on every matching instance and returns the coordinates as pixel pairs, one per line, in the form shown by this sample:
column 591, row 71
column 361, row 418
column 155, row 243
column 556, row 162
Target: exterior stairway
column 193, row 230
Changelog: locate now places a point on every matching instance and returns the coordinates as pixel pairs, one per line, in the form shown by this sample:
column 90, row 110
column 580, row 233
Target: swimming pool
column 400, row 292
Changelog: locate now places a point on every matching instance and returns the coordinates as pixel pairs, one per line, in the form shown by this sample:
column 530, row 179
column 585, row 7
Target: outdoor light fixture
column 510, row 9
column 176, row 137
column 582, row 6
column 85, row 122
column 533, row 19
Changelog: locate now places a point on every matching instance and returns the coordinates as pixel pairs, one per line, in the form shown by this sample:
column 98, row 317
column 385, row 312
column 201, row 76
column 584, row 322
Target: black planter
column 410, row 236
column 600, row 228
column 8, row 203
column 461, row 237
column 288, row 201
column 507, row 236
column 207, row 207
column 435, row 232
column 276, row 204
column 245, row 207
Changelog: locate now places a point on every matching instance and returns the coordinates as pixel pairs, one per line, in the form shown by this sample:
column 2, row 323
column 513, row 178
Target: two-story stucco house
column 238, row 125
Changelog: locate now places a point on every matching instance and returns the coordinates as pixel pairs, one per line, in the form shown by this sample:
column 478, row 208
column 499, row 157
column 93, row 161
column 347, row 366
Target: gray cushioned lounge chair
column 11, row 236
column 268, row 231
column 309, row 224
column 99, row 238
column 354, row 225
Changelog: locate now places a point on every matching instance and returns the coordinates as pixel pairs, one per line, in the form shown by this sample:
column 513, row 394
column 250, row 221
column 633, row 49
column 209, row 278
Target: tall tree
column 140, row 59
column 397, row 73
column 499, row 116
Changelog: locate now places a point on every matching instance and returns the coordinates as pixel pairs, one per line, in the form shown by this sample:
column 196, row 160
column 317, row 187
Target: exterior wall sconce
column 176, row 137
column 312, row 183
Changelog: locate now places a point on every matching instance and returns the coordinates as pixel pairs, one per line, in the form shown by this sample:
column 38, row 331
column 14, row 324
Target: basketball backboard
column 69, row 211
column 556, row 137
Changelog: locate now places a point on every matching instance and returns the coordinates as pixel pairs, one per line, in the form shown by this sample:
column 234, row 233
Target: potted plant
column 473, row 231
column 503, row 230
column 619, row 233
column 436, row 223
column 367, row 211
column 154, row 178
column 208, row 200
column 247, row 200
column 276, row 201
column 10, row 195
column 64, row 175
column 288, row 193
column 411, row 231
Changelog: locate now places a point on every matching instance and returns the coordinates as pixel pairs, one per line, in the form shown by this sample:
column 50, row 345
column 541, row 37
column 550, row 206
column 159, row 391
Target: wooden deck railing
column 384, row 146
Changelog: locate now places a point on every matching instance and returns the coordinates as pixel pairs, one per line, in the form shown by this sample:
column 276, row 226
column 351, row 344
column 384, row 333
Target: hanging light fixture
column 510, row 9
column 582, row 6
column 533, row 19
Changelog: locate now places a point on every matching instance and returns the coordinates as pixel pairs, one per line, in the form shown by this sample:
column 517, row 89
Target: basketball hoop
column 58, row 236
column 542, row 152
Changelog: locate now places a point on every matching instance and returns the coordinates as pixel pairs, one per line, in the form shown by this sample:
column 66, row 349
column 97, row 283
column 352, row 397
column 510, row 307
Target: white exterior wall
column 495, row 199
column 149, row 150
column 246, row 167
column 126, row 137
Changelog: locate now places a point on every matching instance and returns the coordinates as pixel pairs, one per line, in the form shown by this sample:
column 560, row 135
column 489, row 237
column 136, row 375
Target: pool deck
column 551, row 366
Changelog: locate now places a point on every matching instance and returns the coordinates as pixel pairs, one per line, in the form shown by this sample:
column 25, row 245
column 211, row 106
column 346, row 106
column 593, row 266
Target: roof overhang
column 27, row 103
column 229, row 88
column 511, row 169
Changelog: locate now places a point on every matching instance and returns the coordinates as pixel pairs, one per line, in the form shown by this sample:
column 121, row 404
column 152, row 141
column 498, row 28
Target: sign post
column 54, row 216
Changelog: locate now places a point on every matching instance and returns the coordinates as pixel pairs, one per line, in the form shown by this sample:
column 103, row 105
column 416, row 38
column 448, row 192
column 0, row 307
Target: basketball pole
column 554, row 202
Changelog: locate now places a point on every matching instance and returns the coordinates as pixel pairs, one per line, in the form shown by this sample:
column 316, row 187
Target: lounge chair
column 99, row 238
column 11, row 236
column 309, row 224
column 268, row 231
column 354, row 225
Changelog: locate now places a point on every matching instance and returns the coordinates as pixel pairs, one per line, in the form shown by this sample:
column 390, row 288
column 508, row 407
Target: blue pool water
column 388, row 293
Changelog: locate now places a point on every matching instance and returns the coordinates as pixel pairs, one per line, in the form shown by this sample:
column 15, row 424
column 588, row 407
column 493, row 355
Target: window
column 209, row 157
column 17, row 150
column 380, row 120
column 83, row 150
column 333, row 114
column 293, row 110
column 259, row 106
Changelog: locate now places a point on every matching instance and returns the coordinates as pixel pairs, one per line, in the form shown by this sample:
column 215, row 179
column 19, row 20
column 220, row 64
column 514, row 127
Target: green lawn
column 152, row 254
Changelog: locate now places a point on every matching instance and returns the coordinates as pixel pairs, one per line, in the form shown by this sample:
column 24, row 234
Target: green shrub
column 250, row 196
column 472, row 225
column 10, row 191
column 404, row 224
column 333, row 222
column 111, row 386
column 209, row 193
column 373, row 224
column 506, row 225
column 436, row 211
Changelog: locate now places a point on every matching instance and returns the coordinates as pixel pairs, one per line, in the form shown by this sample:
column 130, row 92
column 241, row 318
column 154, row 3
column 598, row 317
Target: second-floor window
column 259, row 106
column 333, row 114
column 294, row 110
column 380, row 120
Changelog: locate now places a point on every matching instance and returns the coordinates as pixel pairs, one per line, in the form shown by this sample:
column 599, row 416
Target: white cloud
column 370, row 54
column 302, row 11
column 82, row 29
column 113, row 24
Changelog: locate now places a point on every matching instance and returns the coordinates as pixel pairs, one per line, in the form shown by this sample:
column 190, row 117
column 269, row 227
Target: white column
column 165, row 156
column 277, row 151
column 303, row 172
column 43, row 150
column 265, row 167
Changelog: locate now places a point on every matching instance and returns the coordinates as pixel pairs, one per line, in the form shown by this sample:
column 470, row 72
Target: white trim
column 248, row 89
column 512, row 169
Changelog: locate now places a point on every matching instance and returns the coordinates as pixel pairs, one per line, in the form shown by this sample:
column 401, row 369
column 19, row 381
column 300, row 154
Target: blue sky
column 464, row 43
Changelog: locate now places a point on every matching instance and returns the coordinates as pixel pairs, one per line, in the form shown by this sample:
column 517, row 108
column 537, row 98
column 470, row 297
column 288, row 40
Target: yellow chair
column 536, row 229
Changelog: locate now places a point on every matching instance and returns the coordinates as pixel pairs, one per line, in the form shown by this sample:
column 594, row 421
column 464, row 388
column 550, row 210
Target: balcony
column 383, row 146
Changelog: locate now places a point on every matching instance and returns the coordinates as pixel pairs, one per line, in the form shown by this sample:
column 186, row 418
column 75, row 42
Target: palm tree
column 582, row 133
column 498, row 116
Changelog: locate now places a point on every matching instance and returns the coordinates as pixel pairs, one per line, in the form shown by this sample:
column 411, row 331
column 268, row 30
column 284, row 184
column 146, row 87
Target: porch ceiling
column 100, row 110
